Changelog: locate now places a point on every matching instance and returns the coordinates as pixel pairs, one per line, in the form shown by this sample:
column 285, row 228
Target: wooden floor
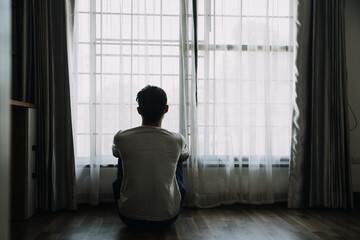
column 230, row 222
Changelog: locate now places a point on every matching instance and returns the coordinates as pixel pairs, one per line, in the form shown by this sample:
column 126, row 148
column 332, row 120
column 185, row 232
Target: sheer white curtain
column 240, row 136
column 234, row 110
column 120, row 46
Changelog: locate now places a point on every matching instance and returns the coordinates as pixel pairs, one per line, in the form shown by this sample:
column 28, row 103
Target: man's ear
column 166, row 108
column 138, row 109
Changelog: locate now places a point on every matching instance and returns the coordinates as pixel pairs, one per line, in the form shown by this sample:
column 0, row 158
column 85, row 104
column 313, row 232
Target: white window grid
column 208, row 45
column 133, row 43
column 167, row 49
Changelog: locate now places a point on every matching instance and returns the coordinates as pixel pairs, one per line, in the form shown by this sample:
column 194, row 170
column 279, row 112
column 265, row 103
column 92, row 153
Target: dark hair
column 152, row 101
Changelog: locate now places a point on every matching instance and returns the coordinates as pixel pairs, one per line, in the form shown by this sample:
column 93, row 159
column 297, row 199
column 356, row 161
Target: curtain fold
column 56, row 188
column 320, row 161
column 23, row 88
column 188, row 97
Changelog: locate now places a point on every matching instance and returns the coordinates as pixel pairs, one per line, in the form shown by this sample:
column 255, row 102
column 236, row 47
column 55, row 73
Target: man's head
column 152, row 103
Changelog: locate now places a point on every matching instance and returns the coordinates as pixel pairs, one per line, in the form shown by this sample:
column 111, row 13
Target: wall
column 352, row 31
column 5, row 67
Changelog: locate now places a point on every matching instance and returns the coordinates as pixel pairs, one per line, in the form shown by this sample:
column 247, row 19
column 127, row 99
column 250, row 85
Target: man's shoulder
column 174, row 134
column 145, row 130
column 124, row 133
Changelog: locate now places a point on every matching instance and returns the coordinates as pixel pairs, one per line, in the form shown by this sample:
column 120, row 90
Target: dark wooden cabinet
column 23, row 156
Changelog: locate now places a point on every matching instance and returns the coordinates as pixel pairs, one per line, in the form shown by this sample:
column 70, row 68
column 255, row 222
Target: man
column 149, row 189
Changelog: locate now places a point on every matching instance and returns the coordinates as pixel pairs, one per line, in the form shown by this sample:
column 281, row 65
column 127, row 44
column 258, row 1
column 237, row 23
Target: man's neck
column 155, row 124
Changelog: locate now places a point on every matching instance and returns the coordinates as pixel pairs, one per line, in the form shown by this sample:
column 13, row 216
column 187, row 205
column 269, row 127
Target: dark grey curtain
column 320, row 162
column 48, row 61
column 22, row 67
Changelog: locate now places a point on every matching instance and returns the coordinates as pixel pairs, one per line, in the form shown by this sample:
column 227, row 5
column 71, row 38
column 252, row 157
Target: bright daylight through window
column 245, row 69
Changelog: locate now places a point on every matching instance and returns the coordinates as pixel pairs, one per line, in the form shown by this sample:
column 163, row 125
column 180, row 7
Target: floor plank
column 227, row 222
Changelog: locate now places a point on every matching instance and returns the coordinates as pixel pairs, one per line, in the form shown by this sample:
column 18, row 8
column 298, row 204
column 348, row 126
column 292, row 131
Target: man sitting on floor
column 149, row 189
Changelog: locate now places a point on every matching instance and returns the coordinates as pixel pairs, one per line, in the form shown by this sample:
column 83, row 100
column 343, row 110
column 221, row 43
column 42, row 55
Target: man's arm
column 115, row 150
column 185, row 150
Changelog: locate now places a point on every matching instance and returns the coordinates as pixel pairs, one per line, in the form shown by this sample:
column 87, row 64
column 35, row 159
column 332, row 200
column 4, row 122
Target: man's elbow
column 184, row 157
column 115, row 151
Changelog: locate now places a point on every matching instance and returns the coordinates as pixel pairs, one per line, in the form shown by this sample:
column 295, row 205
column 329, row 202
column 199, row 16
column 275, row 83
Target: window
column 245, row 72
column 245, row 69
column 121, row 46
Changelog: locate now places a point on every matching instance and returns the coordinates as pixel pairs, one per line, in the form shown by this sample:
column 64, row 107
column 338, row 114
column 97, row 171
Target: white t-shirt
column 149, row 157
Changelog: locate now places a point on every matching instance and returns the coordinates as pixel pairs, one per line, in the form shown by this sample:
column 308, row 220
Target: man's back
column 149, row 157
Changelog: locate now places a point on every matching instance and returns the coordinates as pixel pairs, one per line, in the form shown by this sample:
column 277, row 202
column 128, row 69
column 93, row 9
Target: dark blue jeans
column 144, row 223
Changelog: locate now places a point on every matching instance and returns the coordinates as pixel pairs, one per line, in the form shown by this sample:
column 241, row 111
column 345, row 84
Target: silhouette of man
column 149, row 189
